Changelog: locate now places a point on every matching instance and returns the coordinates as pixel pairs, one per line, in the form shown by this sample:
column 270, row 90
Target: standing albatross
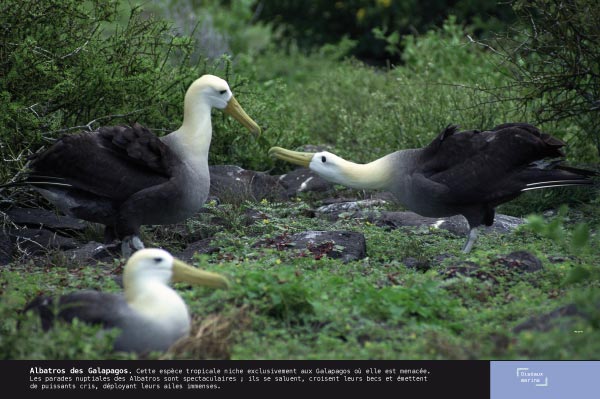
column 125, row 177
column 460, row 173
column 150, row 314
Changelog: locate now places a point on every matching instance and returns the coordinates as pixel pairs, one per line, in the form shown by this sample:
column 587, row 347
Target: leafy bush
column 370, row 24
column 71, row 66
column 554, row 55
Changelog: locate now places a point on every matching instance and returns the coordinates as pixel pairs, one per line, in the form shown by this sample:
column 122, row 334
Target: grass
column 288, row 305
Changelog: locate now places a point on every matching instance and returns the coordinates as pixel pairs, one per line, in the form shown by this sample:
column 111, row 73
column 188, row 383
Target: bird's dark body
column 138, row 334
column 472, row 172
column 119, row 176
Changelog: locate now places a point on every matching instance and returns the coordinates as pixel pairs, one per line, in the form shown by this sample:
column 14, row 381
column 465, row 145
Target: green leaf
column 581, row 236
column 577, row 275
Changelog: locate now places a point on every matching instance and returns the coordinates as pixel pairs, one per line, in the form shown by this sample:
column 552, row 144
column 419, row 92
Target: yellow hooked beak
column 295, row 157
column 182, row 272
column 234, row 109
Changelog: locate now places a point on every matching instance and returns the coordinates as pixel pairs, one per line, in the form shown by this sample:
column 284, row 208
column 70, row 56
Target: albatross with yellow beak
column 125, row 176
column 460, row 173
column 150, row 314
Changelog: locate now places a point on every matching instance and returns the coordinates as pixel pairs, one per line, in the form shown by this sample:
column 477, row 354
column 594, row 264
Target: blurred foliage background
column 363, row 77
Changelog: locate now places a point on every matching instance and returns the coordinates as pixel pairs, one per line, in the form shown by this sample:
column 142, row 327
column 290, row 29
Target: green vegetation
column 67, row 65
column 285, row 304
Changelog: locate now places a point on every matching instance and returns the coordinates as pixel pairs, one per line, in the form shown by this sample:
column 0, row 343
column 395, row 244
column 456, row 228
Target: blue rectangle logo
column 544, row 379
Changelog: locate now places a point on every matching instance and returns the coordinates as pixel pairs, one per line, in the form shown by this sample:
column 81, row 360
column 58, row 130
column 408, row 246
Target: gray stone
column 522, row 261
column 35, row 217
column 417, row 264
column 394, row 219
column 198, row 247
column 6, row 249
column 93, row 252
column 303, row 180
column 350, row 206
column 231, row 183
column 555, row 318
column 345, row 245
column 39, row 241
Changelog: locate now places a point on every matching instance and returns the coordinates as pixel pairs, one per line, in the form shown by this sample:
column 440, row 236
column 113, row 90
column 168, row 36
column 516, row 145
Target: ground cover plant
column 414, row 296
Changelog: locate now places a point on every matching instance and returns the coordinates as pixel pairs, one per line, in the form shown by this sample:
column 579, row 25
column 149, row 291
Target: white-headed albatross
column 149, row 313
column 124, row 177
column 460, row 173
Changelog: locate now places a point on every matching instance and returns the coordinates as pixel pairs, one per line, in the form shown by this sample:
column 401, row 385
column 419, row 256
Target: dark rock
column 34, row 217
column 546, row 322
column 231, row 184
column 391, row 219
column 345, row 245
column 337, row 208
column 36, row 242
column 417, row 264
column 504, row 266
column 93, row 252
column 6, row 249
column 471, row 269
column 303, row 180
column 198, row 247
column 521, row 261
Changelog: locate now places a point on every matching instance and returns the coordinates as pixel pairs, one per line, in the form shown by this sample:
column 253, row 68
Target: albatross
column 125, row 176
column 465, row 173
column 149, row 313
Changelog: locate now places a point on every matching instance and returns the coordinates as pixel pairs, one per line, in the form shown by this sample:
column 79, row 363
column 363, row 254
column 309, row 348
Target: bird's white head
column 153, row 266
column 374, row 175
column 211, row 89
column 213, row 92
column 330, row 167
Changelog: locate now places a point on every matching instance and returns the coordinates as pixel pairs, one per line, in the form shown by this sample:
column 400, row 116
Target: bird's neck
column 157, row 301
column 376, row 175
column 192, row 140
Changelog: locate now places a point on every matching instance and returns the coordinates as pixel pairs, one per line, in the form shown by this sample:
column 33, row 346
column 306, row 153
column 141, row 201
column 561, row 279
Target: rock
column 231, row 184
column 35, row 242
column 394, row 219
column 93, row 252
column 6, row 249
column 417, row 264
column 35, row 217
column 471, row 269
column 198, row 247
column 337, row 208
column 522, row 261
column 345, row 245
column 503, row 266
column 546, row 322
column 303, row 180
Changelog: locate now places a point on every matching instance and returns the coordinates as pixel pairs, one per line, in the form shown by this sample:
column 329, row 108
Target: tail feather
column 578, row 171
column 554, row 175
column 38, row 181
column 551, row 184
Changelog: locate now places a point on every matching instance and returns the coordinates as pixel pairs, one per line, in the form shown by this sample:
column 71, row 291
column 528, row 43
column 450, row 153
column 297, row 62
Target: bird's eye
column 223, row 91
column 157, row 260
column 323, row 159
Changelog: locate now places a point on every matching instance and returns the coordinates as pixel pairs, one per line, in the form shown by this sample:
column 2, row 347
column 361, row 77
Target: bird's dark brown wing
column 481, row 167
column 93, row 307
column 112, row 162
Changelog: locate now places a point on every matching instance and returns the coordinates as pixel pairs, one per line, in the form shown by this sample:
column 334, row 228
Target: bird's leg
column 130, row 243
column 109, row 234
column 471, row 240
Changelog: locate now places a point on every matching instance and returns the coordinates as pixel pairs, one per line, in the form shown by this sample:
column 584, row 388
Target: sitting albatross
column 460, row 173
column 124, row 177
column 150, row 314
